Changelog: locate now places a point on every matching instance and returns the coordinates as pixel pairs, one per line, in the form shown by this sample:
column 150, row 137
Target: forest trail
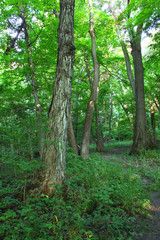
column 152, row 223
column 117, row 151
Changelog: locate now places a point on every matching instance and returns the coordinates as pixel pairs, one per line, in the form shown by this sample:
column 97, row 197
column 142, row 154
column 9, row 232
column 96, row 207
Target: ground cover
column 109, row 196
column 147, row 167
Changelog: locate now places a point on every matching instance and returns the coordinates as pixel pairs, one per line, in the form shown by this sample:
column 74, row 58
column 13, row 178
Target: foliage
column 98, row 200
column 16, row 84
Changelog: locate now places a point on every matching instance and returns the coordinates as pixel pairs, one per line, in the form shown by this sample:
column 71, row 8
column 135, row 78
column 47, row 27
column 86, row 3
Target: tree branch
column 36, row 37
column 18, row 33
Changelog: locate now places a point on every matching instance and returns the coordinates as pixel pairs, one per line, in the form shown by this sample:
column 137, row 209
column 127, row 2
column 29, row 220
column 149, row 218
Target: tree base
column 137, row 148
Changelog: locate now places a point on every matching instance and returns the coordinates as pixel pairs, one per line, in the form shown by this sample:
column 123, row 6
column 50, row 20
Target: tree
column 54, row 151
column 125, row 52
column 89, row 113
column 134, row 30
column 141, row 138
column 36, row 60
column 152, row 75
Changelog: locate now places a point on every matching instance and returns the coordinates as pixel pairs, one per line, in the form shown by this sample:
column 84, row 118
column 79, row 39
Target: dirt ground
column 152, row 224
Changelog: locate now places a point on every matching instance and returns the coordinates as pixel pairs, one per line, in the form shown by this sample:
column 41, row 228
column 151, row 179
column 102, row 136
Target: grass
column 101, row 199
column 113, row 144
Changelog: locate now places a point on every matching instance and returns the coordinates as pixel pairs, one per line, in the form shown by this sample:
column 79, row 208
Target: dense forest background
column 28, row 65
column 113, row 96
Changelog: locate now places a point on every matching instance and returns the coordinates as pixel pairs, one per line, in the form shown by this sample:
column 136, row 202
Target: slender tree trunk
column 156, row 101
column 118, row 126
column 99, row 135
column 105, row 120
column 126, row 55
column 32, row 73
column 110, row 121
column 129, row 69
column 153, row 128
column 153, row 125
column 140, row 139
column 76, row 118
column 88, row 72
column 126, row 112
column 100, row 144
column 54, row 151
column 71, row 136
column 89, row 113
column 32, row 77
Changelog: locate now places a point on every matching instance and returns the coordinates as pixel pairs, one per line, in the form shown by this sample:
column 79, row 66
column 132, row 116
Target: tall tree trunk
column 140, row 139
column 54, row 151
column 89, row 113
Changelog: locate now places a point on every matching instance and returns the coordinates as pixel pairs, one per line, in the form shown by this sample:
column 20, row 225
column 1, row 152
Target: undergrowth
column 112, row 144
column 99, row 200
column 146, row 166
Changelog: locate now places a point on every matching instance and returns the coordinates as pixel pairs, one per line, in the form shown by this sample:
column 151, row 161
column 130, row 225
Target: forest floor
column 150, row 226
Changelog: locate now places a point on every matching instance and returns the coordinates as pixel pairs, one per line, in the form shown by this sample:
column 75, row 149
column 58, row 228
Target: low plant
column 99, row 200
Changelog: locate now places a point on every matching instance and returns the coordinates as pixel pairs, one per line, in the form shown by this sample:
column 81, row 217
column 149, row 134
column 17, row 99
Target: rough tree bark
column 54, row 151
column 89, row 113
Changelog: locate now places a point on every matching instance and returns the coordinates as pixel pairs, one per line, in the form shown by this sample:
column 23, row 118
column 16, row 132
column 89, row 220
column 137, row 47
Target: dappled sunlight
column 153, row 206
column 146, row 205
column 91, row 103
column 154, row 209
